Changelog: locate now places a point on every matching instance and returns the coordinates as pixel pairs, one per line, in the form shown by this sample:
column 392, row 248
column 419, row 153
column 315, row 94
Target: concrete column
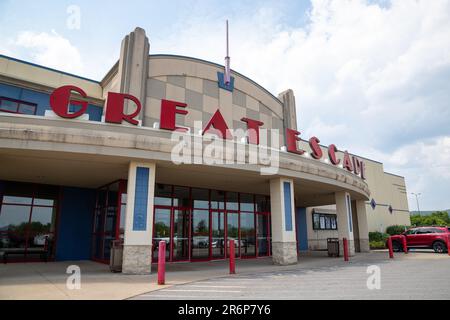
column 345, row 221
column 133, row 68
column 289, row 112
column 363, row 225
column 284, row 244
column 137, row 251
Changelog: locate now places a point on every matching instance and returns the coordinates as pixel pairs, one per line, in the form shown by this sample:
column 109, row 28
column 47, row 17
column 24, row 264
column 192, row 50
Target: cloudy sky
column 371, row 76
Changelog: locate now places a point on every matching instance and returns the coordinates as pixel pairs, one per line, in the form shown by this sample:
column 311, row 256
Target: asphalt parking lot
column 418, row 275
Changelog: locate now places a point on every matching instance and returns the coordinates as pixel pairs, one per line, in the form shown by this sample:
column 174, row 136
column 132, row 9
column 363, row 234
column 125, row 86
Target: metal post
column 345, row 244
column 448, row 244
column 417, row 200
column 162, row 263
column 232, row 258
column 405, row 245
column 391, row 251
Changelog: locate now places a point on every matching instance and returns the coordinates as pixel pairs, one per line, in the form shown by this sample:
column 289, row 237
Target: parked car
column 423, row 237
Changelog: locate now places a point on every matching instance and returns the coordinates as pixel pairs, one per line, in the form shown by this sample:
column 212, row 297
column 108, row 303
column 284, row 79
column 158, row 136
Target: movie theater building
column 83, row 163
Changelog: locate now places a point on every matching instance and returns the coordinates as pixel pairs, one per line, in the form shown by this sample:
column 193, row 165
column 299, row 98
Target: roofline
column 162, row 55
column 393, row 174
column 47, row 68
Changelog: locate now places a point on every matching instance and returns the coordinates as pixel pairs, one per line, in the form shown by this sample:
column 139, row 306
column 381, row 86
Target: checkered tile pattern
column 203, row 98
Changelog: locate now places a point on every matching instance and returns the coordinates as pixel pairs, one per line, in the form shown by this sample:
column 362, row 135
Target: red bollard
column 448, row 244
column 391, row 251
column 232, row 258
column 162, row 263
column 345, row 244
column 405, row 245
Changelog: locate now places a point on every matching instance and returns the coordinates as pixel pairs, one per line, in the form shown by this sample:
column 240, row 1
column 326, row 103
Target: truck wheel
column 439, row 247
column 396, row 246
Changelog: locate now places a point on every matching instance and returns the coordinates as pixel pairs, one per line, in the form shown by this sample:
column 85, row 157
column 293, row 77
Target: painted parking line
column 167, row 296
column 195, row 290
column 207, row 286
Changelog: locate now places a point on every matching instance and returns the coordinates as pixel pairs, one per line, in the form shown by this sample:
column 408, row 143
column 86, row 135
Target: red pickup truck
column 423, row 237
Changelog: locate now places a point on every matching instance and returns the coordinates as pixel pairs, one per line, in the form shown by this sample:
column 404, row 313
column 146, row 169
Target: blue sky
column 371, row 76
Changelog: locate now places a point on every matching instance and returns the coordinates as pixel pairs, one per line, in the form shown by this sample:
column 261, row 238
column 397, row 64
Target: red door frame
column 56, row 206
column 116, row 233
column 210, row 211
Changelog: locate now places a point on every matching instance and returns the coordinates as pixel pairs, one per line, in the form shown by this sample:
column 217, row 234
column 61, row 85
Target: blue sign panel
column 287, row 206
column 141, row 199
column 222, row 84
column 349, row 213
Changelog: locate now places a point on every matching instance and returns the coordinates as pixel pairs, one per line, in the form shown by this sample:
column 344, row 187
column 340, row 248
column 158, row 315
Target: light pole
column 417, row 200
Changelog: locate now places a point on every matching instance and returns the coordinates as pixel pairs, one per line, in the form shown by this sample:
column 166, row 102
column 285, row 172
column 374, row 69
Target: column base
column 364, row 245
column 284, row 253
column 137, row 259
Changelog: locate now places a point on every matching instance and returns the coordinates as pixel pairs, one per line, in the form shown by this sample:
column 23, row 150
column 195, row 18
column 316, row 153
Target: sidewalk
column 48, row 280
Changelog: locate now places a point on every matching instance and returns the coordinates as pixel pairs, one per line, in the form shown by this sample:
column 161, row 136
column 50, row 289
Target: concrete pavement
column 419, row 275
column 48, row 280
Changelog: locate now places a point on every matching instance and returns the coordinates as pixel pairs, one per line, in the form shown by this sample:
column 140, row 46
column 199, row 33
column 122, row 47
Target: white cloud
column 51, row 50
column 374, row 79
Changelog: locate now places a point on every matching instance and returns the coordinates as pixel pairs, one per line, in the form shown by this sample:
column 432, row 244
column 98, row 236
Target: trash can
column 333, row 247
column 115, row 260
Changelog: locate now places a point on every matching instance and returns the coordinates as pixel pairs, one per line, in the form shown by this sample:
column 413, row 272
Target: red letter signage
column 332, row 154
column 218, row 122
column 168, row 114
column 347, row 162
column 291, row 141
column 60, row 101
column 114, row 108
column 356, row 165
column 253, row 130
column 315, row 147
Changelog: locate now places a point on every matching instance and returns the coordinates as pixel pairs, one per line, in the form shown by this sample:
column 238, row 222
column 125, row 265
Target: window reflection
column 27, row 223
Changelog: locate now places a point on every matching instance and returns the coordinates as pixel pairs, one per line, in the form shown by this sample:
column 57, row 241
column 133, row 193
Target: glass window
column 17, row 106
column 13, row 217
column 8, row 105
column 262, row 203
column 27, row 109
column 247, row 203
column 200, row 234
column 217, row 199
column 200, row 198
column 163, row 195
column 248, row 241
column 16, row 200
column 181, row 197
column 411, row 231
column 232, row 201
column 27, row 223
column 42, row 219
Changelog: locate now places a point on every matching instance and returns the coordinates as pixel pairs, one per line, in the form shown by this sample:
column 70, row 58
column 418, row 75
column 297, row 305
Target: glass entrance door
column 200, row 235
column 180, row 234
column 217, row 234
column 248, row 234
column 161, row 231
column 109, row 219
column 233, row 233
column 263, row 234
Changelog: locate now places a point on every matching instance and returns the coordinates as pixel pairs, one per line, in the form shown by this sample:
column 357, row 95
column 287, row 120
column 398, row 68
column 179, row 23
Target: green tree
column 438, row 218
